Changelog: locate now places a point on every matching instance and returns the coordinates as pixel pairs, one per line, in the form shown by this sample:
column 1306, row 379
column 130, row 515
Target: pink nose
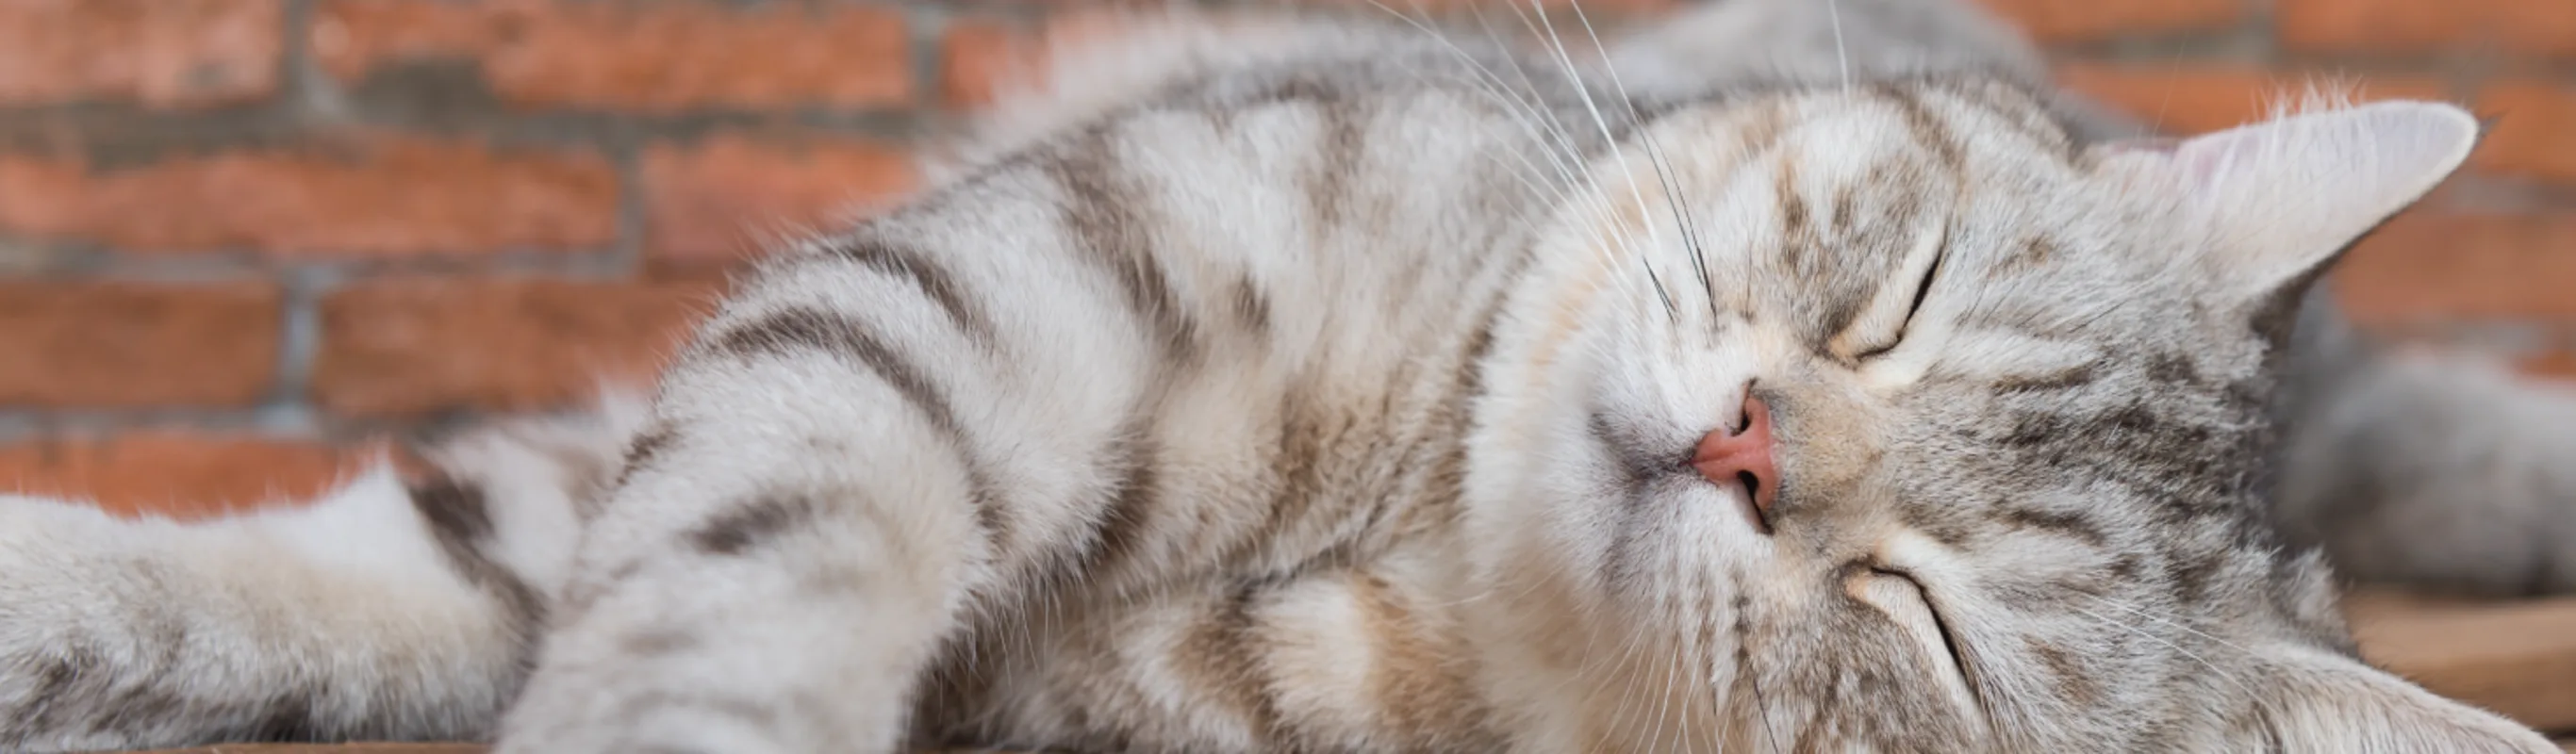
column 1743, row 457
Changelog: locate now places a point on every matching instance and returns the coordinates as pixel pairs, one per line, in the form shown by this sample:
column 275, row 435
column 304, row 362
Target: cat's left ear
column 2278, row 200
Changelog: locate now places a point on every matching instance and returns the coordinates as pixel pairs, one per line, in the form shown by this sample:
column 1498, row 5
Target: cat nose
column 1743, row 456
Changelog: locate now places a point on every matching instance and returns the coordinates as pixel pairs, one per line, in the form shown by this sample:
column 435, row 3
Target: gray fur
column 1294, row 391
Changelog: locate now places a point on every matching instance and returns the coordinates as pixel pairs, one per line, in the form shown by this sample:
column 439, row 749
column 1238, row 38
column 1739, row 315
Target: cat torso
column 1282, row 472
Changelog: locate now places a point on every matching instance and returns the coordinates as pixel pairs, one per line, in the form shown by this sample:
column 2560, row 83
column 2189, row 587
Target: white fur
column 348, row 586
column 673, row 635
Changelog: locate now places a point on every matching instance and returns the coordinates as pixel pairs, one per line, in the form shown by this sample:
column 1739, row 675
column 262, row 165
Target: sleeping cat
column 1329, row 385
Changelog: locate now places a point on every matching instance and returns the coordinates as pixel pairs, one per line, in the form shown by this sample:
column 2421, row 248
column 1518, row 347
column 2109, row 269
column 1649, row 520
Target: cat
column 1310, row 384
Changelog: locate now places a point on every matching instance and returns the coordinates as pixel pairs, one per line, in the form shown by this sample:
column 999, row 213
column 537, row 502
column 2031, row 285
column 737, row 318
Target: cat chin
column 1554, row 614
column 1568, row 670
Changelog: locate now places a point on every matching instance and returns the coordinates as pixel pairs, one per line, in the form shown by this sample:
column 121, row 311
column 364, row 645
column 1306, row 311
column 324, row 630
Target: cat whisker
column 1627, row 691
column 1655, row 157
column 1591, row 104
column 1562, row 154
column 1535, row 120
column 1842, row 57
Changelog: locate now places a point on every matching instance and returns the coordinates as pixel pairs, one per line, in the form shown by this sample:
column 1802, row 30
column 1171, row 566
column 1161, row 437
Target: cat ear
column 2329, row 704
column 2280, row 199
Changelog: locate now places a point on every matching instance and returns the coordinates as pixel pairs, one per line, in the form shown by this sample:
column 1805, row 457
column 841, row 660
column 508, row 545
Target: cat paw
column 61, row 661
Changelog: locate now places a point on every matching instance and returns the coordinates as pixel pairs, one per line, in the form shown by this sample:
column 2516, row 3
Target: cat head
column 2014, row 390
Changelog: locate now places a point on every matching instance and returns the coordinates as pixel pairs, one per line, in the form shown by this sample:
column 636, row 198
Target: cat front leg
column 751, row 594
column 772, row 581
column 862, row 449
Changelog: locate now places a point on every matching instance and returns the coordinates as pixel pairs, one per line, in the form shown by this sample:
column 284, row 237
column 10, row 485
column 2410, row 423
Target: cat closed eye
column 1906, row 601
column 1922, row 290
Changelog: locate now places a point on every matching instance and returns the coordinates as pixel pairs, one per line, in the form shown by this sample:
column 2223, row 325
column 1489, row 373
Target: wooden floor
column 2517, row 658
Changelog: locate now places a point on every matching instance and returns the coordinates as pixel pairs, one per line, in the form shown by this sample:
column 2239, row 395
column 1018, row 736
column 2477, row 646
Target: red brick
column 131, row 345
column 2427, row 266
column 980, row 56
column 367, row 197
column 2535, row 130
column 976, row 57
column 721, row 199
column 162, row 53
column 419, row 345
column 176, row 473
column 2188, row 99
column 2555, row 365
column 640, row 56
column 2089, row 20
column 2527, row 27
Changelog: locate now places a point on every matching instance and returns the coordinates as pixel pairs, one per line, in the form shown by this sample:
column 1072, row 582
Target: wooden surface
column 2517, row 658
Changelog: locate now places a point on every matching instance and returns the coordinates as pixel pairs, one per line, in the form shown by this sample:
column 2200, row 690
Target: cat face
column 2014, row 398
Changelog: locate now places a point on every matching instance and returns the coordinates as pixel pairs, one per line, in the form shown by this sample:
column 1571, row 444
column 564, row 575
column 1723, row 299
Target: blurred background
column 242, row 242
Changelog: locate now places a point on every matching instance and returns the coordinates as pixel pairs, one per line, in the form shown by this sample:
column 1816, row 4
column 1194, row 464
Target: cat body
column 1333, row 386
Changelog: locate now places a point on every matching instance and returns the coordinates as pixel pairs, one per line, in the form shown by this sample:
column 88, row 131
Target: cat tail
column 2427, row 468
column 384, row 610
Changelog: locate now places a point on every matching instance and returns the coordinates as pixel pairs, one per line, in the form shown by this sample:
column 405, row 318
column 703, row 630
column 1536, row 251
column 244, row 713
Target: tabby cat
column 1333, row 384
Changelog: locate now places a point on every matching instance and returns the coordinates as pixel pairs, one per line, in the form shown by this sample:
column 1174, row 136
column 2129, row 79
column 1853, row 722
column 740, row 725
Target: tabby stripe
column 2069, row 525
column 2070, row 377
column 1304, row 87
column 1302, row 444
column 751, row 523
column 290, row 718
column 1417, row 689
column 67, row 686
column 658, row 641
column 2192, row 572
column 1331, row 175
column 640, row 453
column 1252, row 308
column 1480, row 339
column 933, row 280
column 1102, row 211
column 1957, row 532
column 2034, row 252
column 1797, row 232
column 1847, row 200
column 1225, row 653
column 459, row 517
column 802, row 327
column 1448, row 480
column 1121, row 528
column 1926, row 126
column 2173, row 369
column 2034, row 118
column 2073, row 681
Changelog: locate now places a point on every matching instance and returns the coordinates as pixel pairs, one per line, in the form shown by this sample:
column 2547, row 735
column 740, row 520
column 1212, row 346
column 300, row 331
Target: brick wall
column 243, row 240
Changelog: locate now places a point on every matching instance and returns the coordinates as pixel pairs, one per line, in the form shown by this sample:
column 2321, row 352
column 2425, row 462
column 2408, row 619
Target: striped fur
column 1326, row 386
